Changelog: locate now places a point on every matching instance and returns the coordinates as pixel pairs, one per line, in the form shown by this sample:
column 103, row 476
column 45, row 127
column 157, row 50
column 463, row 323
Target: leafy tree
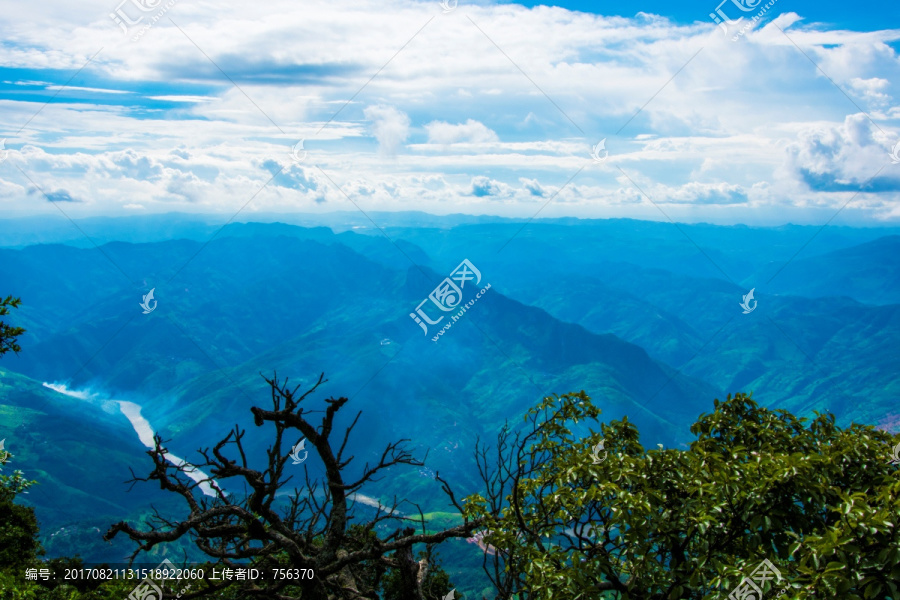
column 313, row 530
column 18, row 527
column 9, row 334
column 19, row 545
column 821, row 503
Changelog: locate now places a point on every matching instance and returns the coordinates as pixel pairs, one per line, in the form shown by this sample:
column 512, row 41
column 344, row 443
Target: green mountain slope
column 81, row 453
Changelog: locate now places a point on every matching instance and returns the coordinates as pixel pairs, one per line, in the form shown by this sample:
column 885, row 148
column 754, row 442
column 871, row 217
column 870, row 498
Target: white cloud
column 389, row 126
column 843, row 157
column 471, row 131
column 533, row 186
column 482, row 187
column 752, row 125
column 187, row 99
column 86, row 89
column 872, row 90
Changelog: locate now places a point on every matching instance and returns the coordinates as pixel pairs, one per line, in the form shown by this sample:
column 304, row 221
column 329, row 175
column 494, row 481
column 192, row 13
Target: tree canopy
column 9, row 334
column 19, row 545
column 819, row 502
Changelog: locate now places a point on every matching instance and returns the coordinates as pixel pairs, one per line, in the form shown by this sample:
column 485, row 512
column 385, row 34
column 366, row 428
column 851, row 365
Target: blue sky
column 868, row 15
column 479, row 108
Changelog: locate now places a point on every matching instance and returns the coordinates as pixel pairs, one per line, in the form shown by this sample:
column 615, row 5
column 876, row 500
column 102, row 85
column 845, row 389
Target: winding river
column 144, row 430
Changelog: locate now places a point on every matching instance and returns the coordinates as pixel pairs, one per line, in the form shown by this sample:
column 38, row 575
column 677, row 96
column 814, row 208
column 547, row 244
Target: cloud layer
column 485, row 109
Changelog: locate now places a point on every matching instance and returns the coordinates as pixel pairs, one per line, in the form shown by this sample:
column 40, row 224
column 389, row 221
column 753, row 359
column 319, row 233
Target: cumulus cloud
column 295, row 177
column 132, row 165
column 706, row 193
column 873, row 90
column 440, row 132
column 533, row 187
column 389, row 126
column 843, row 157
column 187, row 186
column 485, row 186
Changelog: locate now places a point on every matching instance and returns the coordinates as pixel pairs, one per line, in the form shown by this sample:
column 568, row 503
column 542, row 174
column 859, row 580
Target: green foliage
column 10, row 485
column 18, row 535
column 14, row 586
column 18, row 527
column 8, row 333
column 820, row 502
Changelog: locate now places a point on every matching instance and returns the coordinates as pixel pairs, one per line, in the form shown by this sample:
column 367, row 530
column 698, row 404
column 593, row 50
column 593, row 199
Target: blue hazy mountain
column 643, row 316
column 868, row 272
column 253, row 303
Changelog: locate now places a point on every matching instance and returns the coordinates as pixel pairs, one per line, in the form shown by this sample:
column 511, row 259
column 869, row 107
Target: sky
column 785, row 111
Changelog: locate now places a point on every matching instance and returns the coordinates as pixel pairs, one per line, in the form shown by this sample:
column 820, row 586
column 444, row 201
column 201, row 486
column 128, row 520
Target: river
column 144, row 430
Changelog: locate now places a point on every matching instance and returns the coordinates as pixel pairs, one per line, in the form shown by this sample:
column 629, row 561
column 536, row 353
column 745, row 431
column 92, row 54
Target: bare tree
column 313, row 531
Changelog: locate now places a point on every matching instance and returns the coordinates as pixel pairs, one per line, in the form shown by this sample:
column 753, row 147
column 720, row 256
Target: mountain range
column 643, row 316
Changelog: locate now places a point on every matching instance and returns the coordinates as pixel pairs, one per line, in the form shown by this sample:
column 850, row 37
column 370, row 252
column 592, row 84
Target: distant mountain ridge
column 868, row 272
